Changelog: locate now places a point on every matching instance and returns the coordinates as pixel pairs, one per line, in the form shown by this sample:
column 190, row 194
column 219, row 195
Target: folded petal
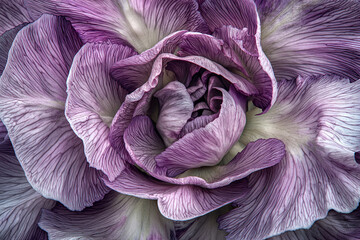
column 177, row 202
column 92, row 102
column 176, row 107
column 140, row 23
column 12, row 14
column 206, row 146
column 20, row 204
column 117, row 216
column 32, row 101
column 311, row 37
column 334, row 226
column 318, row 121
column 134, row 71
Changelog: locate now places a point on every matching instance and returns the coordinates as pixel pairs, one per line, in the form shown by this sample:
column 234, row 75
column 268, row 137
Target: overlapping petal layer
column 92, row 102
column 20, row 204
column 311, row 37
column 139, row 23
column 115, row 217
column 178, row 202
column 318, row 120
column 237, row 23
column 32, row 101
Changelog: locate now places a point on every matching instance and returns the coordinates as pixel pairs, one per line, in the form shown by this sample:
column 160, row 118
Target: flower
column 179, row 119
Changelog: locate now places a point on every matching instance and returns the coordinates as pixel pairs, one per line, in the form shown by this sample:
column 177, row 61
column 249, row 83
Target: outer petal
column 115, row 217
column 311, row 37
column 318, row 120
column 176, row 107
column 177, row 202
column 207, row 146
column 32, row 100
column 334, row 226
column 142, row 23
column 20, row 204
column 93, row 100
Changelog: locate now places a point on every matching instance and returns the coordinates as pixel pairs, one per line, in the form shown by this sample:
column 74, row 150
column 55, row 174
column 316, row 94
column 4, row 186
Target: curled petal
column 93, row 100
column 318, row 120
column 32, row 101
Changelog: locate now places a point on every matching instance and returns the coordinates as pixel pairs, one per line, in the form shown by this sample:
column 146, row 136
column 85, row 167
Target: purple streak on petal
column 32, row 100
column 334, row 226
column 197, row 123
column 177, row 202
column 140, row 23
column 207, row 146
column 116, row 216
column 176, row 107
column 12, row 14
column 20, row 204
column 133, row 72
column 322, row 116
column 93, row 100
column 311, row 37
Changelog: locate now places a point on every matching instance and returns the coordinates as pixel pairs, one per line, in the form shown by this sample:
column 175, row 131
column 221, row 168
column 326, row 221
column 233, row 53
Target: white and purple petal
column 93, row 100
column 32, row 102
column 117, row 216
column 139, row 23
column 318, row 120
column 311, row 37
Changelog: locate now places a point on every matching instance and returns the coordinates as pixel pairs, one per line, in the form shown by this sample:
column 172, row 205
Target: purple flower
column 163, row 119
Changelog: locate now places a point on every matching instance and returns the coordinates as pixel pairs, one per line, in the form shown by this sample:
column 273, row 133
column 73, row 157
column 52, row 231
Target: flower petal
column 12, row 14
column 140, row 23
column 318, row 120
column 92, row 102
column 20, row 204
column 117, row 216
column 206, row 146
column 334, row 226
column 32, row 100
column 176, row 107
column 177, row 202
column 311, row 37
